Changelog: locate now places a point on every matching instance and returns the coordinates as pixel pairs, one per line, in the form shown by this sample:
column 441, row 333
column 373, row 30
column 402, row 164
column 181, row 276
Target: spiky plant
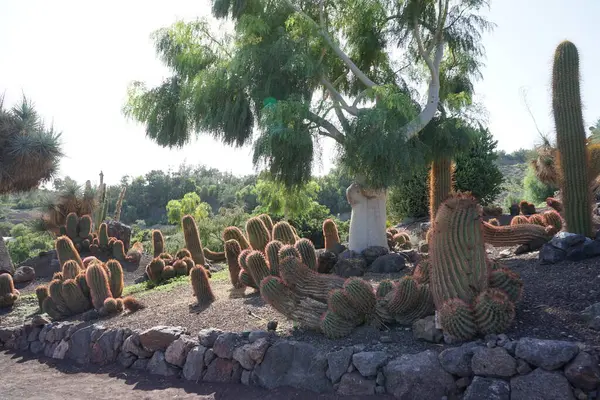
column 235, row 233
column 440, row 183
column 232, row 253
column 8, row 294
column 74, row 298
column 158, row 242
column 118, row 250
column 41, row 292
column 257, row 266
column 103, row 238
column 183, row 253
column 155, row 269
column 201, row 286
column 331, row 235
column 258, row 234
column 70, row 269
column 553, row 218
column 180, row 268
column 116, row 277
column 307, row 252
column 284, row 232
column 66, row 251
column 97, row 280
column 266, row 219
column 272, row 253
column 119, row 205
column 192, row 239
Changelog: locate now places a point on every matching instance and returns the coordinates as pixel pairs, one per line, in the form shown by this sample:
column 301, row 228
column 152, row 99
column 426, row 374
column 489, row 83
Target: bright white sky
column 75, row 59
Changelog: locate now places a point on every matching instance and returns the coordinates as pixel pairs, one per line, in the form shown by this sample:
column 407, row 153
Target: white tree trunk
column 367, row 223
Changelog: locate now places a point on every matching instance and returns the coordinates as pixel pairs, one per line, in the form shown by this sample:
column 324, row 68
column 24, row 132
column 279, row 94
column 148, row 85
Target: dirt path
column 46, row 379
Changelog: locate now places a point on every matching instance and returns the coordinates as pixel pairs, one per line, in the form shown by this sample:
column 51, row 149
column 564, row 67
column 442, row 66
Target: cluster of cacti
column 79, row 230
column 81, row 286
column 285, row 233
column 8, row 294
column 402, row 240
column 526, row 208
column 165, row 267
column 546, row 219
column 518, row 220
column 470, row 297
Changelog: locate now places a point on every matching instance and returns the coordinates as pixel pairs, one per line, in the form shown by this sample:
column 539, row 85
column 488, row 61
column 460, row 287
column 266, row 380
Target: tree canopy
column 292, row 72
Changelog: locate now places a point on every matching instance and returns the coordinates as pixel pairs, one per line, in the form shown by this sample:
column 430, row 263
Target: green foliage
column 476, row 171
column 189, row 205
column 535, row 190
column 27, row 243
column 409, row 198
column 275, row 199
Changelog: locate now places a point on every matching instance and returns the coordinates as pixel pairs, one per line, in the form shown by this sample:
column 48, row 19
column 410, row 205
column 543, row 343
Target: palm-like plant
column 29, row 151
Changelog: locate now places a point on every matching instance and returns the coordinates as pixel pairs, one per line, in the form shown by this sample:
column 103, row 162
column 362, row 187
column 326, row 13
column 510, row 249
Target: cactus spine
column 331, row 235
column 440, row 183
column 192, row 239
column 284, row 232
column 74, row 298
column 257, row 266
column 70, row 269
column 272, row 252
column 571, row 140
column 155, row 269
column 201, row 286
column 119, row 250
column 257, row 233
column 266, row 219
column 66, row 251
column 307, row 252
column 232, row 253
column 85, row 226
column 552, row 218
column 511, row 235
column 116, row 277
column 158, row 242
column 235, row 233
column 97, row 280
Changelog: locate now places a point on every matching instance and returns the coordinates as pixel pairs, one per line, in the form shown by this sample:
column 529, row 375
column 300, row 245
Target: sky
column 75, row 59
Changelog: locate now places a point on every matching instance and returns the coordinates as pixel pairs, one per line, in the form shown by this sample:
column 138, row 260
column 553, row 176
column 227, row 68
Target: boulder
column 583, row 372
column 178, row 350
column 338, row 362
column 224, row 371
column 6, row 264
column 367, row 362
column 566, row 240
column 548, row 354
column 591, row 248
column 24, row 274
column 208, row 336
column 488, row 389
column 457, row 360
column 194, row 364
column 388, row 263
column 372, row 253
column 126, row 359
column 103, row 351
column 326, row 260
column 550, row 255
column 591, row 315
column 120, row 231
column 160, row 337
column 493, row 362
column 424, row 329
column 350, row 263
column 354, row 384
column 226, row 343
column 79, row 348
column 159, row 366
column 541, row 385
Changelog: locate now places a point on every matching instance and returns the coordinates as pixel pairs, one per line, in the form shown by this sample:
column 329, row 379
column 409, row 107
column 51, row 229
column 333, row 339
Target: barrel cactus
column 258, row 234
column 284, row 232
column 331, row 235
column 235, row 233
column 66, row 251
column 201, row 286
column 307, row 252
column 232, row 253
column 192, row 239
column 8, row 294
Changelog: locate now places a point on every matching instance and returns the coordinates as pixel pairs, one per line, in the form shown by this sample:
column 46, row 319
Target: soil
column 24, row 377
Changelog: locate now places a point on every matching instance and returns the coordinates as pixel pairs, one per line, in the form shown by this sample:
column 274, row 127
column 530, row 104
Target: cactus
column 553, row 218
column 504, row 236
column 423, row 307
column 440, row 183
column 288, row 250
column 457, row 252
column 49, row 307
column 201, row 286
column 8, row 294
column 242, row 258
column 166, row 257
column 55, row 291
column 183, row 253
column 284, row 232
column 508, row 281
column 384, row 287
column 422, row 271
column 80, row 279
column 41, row 292
column 258, row 234
column 334, row 326
column 85, row 226
column 272, row 253
column 517, row 220
column 361, row 295
column 66, row 251
column 70, row 269
column 180, row 267
column 120, row 305
column 307, row 252
column 402, row 239
column 404, row 297
column 155, row 269
column 257, row 266
column 494, row 221
column 97, row 280
column 103, row 236
column 266, row 219
column 306, row 282
column 169, row 272
column 246, row 279
column 232, row 253
column 457, row 319
column 158, row 242
column 338, row 302
column 110, row 306
column 71, row 223
column 571, row 140
column 526, row 208
column 58, row 275
column 94, row 248
column 494, row 312
column 132, row 304
column 214, row 256
column 537, row 219
column 116, row 278
column 331, row 235
column 554, row 203
column 74, row 298
column 119, row 206
column 189, row 263
column 235, row 233
column 119, row 251
column 192, row 239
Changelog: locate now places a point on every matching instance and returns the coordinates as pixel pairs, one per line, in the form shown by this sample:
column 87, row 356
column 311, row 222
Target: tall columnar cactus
column 116, row 277
column 242, row 258
column 308, row 255
column 257, row 266
column 80, row 279
column 246, row 279
column 55, row 291
column 66, row 251
column 266, row 219
column 440, row 183
column 74, row 298
column 331, row 235
column 119, row 206
column 8, row 294
column 85, row 226
column 155, row 269
column 257, row 233
column 192, row 239
column 158, row 243
column 235, row 233
column 70, row 269
column 201, row 286
column 571, row 140
column 272, row 253
column 72, row 222
column 103, row 236
column 118, row 250
column 284, row 232
column 232, row 253
column 97, row 280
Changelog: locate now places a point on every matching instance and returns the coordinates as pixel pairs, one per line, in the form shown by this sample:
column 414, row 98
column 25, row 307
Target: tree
column 476, row 170
column 297, row 71
column 276, row 199
column 535, row 190
column 595, row 132
column 190, row 204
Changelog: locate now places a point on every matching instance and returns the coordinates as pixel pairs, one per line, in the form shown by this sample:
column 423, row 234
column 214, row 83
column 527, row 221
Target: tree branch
column 338, row 97
column 341, row 118
column 331, row 130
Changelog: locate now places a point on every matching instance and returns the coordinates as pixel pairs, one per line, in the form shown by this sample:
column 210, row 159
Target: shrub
column 409, row 198
column 536, row 191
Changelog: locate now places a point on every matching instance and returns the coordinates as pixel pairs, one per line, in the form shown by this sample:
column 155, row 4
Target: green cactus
column 120, row 305
column 424, row 306
column 504, row 236
column 440, row 183
column 155, row 269
column 70, row 269
column 214, row 256
column 537, row 219
column 385, row 286
column 361, row 295
column 235, row 233
column 246, row 279
column 103, row 236
column 109, row 307
column 119, row 251
column 41, row 292
column 507, row 281
column 74, row 298
column 189, row 263
column 49, row 307
column 66, row 251
column 58, row 275
column 308, row 255
column 85, row 226
column 334, row 326
column 272, row 252
column 257, row 266
column 552, row 218
column 258, row 234
column 266, row 219
column 169, row 272
column 277, row 295
column 183, row 253
column 494, row 312
column 158, row 243
column 55, row 291
column 180, row 268
column 85, row 289
column 494, row 221
column 457, row 319
column 404, row 297
column 201, row 286
column 71, row 223
column 116, row 278
column 288, row 250
column 457, row 252
column 242, row 258
column 192, row 239
column 306, row 282
column 62, row 230
column 284, row 232
column 422, row 271
column 331, row 235
column 571, row 140
column 338, row 302
column 8, row 294
column 97, row 280
column 232, row 254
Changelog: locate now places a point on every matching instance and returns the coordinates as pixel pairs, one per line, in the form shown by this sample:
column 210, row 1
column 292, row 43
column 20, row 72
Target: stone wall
column 494, row 368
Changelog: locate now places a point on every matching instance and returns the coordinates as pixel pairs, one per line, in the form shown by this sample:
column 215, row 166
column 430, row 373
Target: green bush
column 27, row 243
column 536, row 191
column 409, row 198
column 5, row 228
